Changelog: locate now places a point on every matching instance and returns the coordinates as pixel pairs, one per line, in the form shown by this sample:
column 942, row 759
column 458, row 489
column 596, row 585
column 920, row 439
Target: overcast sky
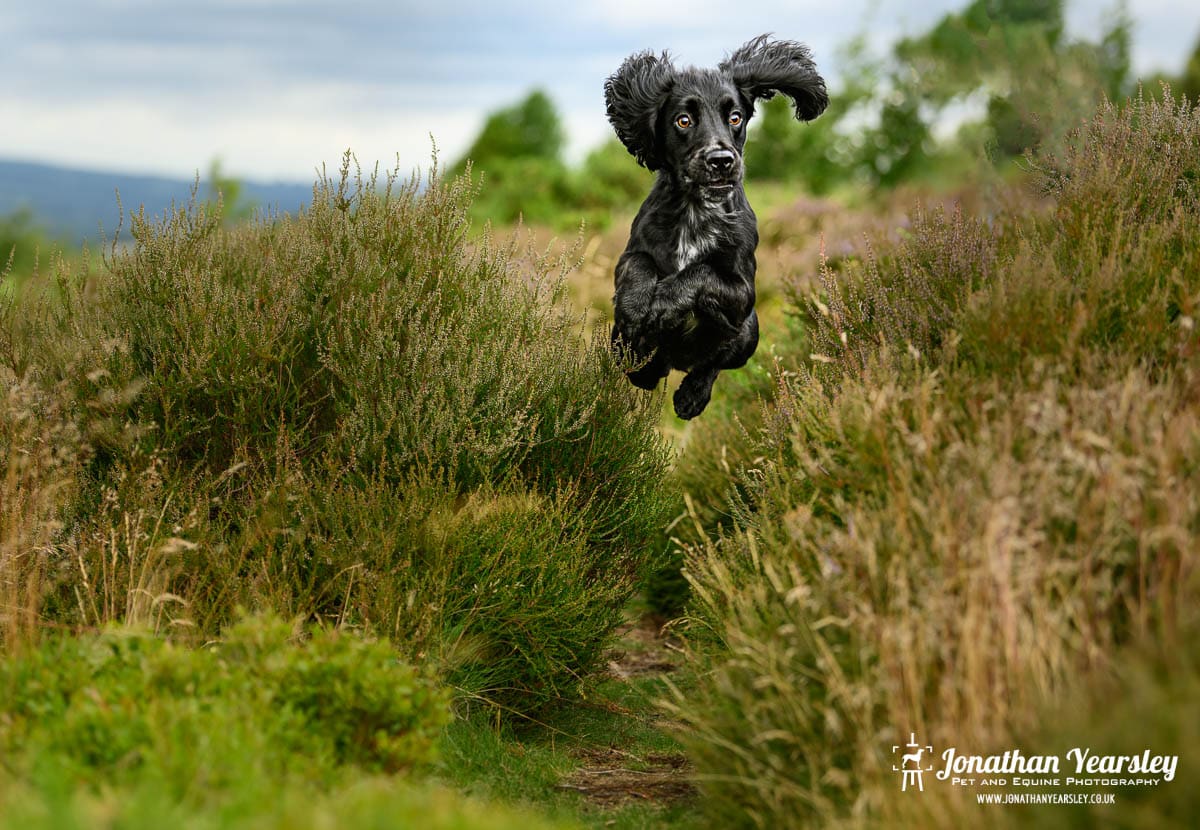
column 276, row 87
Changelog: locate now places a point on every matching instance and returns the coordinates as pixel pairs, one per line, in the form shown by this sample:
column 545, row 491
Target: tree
column 529, row 129
column 1189, row 82
column 1036, row 82
column 235, row 207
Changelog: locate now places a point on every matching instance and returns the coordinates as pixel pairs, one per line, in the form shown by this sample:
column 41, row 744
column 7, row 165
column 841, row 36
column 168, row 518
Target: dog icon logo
column 910, row 763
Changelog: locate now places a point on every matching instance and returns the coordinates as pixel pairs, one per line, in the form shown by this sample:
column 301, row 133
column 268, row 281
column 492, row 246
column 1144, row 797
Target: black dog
column 685, row 284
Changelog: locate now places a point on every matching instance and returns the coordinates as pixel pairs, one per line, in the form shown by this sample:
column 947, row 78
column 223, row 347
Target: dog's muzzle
column 719, row 171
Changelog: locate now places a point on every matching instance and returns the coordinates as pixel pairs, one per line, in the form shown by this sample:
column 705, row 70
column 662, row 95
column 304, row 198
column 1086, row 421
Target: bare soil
column 612, row 777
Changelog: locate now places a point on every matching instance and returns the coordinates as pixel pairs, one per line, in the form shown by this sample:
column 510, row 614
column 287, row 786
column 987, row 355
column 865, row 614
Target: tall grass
column 43, row 450
column 982, row 487
column 358, row 414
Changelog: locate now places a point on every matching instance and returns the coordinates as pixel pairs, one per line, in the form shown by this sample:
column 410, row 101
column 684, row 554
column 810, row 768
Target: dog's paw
column 647, row 377
column 710, row 308
column 693, row 395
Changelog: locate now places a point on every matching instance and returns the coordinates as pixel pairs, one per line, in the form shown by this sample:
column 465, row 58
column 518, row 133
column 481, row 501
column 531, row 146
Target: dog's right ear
column 634, row 96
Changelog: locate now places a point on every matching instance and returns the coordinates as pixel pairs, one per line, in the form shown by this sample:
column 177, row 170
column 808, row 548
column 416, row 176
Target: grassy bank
column 974, row 487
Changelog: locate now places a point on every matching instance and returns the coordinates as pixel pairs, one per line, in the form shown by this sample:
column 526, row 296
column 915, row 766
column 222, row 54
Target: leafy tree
column 22, row 243
column 519, row 153
column 529, row 129
column 1189, row 82
column 808, row 154
column 235, row 207
column 1011, row 53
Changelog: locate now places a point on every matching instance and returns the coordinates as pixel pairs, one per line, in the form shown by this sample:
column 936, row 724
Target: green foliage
column 369, row 802
column 879, row 128
column 610, row 180
column 265, row 727
column 1189, row 81
column 353, row 414
column 228, row 191
column 22, row 245
column 984, row 482
column 530, row 129
column 118, row 707
column 1007, row 50
column 518, row 156
column 810, row 155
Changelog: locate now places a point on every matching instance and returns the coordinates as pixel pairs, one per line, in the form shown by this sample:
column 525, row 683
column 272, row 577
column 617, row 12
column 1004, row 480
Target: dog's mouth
column 719, row 188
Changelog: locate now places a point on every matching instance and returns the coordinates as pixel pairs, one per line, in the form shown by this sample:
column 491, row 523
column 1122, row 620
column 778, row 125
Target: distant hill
column 74, row 205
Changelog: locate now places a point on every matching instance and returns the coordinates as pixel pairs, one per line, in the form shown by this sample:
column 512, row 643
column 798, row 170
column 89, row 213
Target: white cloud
column 275, row 87
column 281, row 143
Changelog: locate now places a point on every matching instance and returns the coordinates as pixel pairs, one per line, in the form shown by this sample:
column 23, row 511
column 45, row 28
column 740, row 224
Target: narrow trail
column 613, row 777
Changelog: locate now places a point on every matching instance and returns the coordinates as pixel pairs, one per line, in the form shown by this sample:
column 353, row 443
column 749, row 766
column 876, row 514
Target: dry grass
column 43, row 450
column 982, row 492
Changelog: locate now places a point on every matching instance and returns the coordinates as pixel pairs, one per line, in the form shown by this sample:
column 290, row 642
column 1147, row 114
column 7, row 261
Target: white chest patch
column 698, row 233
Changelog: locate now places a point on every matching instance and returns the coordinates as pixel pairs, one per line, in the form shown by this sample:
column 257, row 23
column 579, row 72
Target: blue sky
column 275, row 88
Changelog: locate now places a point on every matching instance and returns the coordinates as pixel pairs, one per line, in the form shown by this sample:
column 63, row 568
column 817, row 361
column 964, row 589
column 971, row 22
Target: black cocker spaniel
column 685, row 284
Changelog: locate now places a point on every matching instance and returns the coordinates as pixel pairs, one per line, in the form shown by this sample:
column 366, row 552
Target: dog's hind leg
column 695, row 391
column 741, row 348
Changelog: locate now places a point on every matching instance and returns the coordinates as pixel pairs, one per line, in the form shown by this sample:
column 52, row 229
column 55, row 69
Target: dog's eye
column 735, row 119
column 683, row 122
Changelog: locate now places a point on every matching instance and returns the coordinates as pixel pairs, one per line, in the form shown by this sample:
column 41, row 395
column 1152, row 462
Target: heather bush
column 269, row 725
column 356, row 414
column 982, row 487
column 119, row 705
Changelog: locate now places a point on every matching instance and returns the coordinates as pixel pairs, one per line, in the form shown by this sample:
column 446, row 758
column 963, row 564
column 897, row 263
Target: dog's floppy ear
column 763, row 67
column 633, row 97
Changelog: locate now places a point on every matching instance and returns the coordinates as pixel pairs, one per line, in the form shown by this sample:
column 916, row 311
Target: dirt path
column 612, row 777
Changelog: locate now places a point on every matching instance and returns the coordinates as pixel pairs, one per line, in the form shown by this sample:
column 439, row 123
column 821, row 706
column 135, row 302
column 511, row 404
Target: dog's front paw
column 710, row 308
column 693, row 394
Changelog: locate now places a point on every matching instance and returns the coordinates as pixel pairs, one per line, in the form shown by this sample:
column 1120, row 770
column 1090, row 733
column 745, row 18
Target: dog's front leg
column 633, row 302
column 701, row 292
column 648, row 306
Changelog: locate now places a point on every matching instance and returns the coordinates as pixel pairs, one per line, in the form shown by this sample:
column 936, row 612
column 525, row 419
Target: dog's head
column 692, row 122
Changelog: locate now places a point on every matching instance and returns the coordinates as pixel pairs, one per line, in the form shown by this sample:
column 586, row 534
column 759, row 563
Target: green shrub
column 364, row 803
column 121, row 705
column 24, row 246
column 500, row 589
column 984, row 485
column 266, row 727
column 353, row 414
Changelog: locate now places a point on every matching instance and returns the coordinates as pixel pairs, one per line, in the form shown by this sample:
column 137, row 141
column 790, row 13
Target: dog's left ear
column 763, row 67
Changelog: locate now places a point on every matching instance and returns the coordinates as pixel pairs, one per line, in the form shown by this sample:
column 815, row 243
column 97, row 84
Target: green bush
column 121, row 705
column 518, row 159
column 353, row 414
column 983, row 485
column 23, row 246
column 265, row 727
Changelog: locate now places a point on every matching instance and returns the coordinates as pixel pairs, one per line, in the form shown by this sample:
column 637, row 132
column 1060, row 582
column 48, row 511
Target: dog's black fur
column 685, row 284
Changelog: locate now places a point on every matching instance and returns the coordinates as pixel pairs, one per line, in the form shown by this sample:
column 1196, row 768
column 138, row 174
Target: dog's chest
column 698, row 233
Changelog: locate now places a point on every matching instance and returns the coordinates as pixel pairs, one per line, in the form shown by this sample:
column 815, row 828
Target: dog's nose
column 720, row 161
